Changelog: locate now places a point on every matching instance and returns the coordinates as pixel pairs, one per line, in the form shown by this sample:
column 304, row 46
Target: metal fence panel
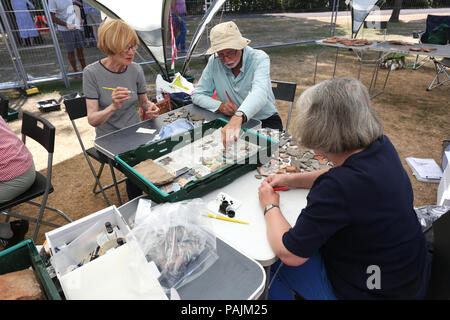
column 31, row 52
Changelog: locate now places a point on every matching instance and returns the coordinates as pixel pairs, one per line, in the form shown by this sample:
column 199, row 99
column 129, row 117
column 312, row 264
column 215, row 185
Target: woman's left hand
column 152, row 110
column 267, row 195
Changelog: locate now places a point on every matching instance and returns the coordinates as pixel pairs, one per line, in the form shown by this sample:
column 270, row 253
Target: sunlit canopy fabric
column 360, row 11
column 148, row 18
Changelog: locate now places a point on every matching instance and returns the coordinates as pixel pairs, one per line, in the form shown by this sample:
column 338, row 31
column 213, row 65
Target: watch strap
column 241, row 114
column 270, row 206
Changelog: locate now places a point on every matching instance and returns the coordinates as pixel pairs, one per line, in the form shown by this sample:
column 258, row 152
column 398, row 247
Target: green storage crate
column 12, row 114
column 204, row 185
column 24, row 255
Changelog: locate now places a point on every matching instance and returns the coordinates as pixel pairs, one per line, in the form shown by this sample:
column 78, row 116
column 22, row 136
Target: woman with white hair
column 358, row 236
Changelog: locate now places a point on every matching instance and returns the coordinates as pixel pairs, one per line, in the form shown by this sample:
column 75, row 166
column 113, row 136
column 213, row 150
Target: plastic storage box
column 49, row 105
column 207, row 183
column 24, row 255
column 100, row 278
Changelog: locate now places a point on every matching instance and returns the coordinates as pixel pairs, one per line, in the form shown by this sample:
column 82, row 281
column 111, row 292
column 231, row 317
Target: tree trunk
column 396, row 12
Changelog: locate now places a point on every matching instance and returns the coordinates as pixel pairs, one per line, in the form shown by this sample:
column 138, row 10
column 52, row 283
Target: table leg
column 319, row 51
column 269, row 281
column 113, row 174
column 335, row 61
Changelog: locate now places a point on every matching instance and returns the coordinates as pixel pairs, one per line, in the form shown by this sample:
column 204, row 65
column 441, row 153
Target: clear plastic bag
column 428, row 214
column 176, row 237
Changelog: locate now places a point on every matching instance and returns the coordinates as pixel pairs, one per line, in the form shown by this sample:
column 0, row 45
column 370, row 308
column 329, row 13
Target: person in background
column 25, row 24
column 69, row 27
column 93, row 18
column 240, row 75
column 178, row 9
column 358, row 236
column 108, row 110
column 17, row 175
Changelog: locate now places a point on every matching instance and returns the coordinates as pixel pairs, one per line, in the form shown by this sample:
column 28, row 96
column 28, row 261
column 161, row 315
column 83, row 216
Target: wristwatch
column 241, row 114
column 270, row 206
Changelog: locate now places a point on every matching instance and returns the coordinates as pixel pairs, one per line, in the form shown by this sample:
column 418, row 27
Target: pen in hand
column 112, row 89
column 228, row 96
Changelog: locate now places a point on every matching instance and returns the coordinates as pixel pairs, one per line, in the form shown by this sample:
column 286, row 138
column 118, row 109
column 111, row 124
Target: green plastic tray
column 12, row 114
column 24, row 255
column 204, row 185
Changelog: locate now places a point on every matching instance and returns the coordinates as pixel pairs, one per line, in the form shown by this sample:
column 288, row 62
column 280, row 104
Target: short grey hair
column 336, row 116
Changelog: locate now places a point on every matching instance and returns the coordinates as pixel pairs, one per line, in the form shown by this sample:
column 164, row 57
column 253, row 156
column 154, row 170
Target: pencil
column 280, row 189
column 228, row 96
column 112, row 89
column 226, row 219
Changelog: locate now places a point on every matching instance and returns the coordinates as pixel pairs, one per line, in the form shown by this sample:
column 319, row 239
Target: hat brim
column 236, row 45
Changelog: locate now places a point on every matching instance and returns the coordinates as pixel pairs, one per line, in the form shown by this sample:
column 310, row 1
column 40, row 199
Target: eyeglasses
column 131, row 47
column 229, row 55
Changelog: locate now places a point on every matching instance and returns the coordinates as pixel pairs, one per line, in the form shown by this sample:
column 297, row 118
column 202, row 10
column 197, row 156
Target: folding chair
column 43, row 132
column 285, row 91
column 76, row 109
column 432, row 23
column 442, row 75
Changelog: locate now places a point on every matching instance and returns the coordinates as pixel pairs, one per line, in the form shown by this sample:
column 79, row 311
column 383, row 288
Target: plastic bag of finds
column 428, row 214
column 177, row 237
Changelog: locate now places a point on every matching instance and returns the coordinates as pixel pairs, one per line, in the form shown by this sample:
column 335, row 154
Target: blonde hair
column 336, row 116
column 114, row 35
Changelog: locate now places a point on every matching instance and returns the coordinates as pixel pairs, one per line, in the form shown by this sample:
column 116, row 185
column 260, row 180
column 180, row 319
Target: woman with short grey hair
column 358, row 236
column 336, row 116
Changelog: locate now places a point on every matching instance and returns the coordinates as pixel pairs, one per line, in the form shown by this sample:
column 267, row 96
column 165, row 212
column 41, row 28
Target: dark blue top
column 361, row 215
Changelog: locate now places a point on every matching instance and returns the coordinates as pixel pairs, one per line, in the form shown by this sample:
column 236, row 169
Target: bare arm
column 303, row 180
column 58, row 21
column 98, row 117
column 277, row 226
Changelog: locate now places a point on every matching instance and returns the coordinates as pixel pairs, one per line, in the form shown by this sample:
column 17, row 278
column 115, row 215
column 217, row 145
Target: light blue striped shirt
column 251, row 90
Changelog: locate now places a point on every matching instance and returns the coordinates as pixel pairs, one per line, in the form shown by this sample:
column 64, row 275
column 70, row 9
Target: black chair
column 76, row 109
column 433, row 24
column 43, row 132
column 285, row 91
column 439, row 285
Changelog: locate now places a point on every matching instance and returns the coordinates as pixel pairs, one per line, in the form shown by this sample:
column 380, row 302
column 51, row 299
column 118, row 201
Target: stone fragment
column 20, row 285
column 291, row 169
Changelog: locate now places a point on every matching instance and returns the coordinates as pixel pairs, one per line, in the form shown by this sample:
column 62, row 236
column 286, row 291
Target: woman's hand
column 277, row 180
column 267, row 195
column 152, row 110
column 119, row 96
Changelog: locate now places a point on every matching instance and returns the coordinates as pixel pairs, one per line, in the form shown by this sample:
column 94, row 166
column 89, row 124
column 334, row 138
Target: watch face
column 239, row 114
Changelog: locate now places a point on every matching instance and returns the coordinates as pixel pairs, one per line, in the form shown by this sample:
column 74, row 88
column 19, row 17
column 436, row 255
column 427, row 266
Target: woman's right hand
column 119, row 96
column 277, row 180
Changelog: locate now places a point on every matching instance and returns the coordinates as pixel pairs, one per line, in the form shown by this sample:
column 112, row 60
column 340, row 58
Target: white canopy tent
column 360, row 9
column 150, row 21
column 148, row 18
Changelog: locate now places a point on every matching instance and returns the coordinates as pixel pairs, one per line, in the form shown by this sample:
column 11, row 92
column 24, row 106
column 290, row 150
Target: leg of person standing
column 181, row 38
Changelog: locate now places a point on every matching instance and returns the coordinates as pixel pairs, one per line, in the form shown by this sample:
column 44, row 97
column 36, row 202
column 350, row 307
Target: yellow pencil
column 112, row 89
column 226, row 219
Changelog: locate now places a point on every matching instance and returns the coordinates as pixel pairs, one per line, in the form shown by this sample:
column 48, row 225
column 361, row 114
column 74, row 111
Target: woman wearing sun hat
column 240, row 75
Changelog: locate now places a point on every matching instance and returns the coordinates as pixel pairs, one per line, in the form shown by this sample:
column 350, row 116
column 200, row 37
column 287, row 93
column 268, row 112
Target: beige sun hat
column 226, row 35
